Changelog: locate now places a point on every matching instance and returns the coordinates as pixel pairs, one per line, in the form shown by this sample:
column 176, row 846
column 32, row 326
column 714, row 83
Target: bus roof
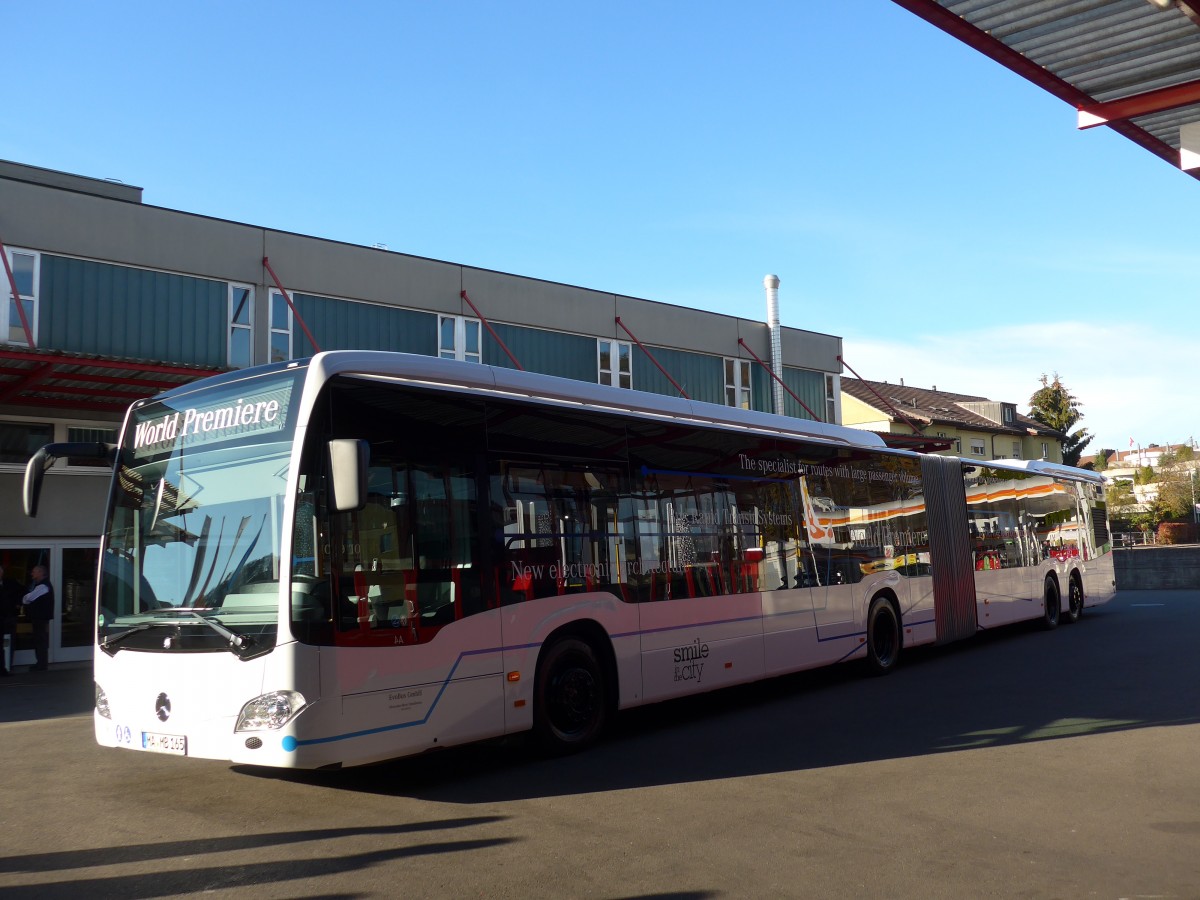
column 456, row 375
column 1043, row 467
column 477, row 378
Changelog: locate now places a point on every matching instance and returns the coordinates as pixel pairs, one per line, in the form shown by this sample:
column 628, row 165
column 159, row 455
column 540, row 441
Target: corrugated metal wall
column 809, row 386
column 91, row 307
column 341, row 325
column 950, row 556
column 702, row 376
column 548, row 352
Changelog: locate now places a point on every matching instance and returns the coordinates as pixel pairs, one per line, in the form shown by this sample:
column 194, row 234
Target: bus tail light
column 273, row 710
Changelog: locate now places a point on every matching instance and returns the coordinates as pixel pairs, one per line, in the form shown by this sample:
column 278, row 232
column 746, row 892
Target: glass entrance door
column 72, row 639
column 18, row 563
column 72, row 569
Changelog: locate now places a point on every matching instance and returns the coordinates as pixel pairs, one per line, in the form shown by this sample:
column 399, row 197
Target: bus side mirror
column 35, row 469
column 348, row 462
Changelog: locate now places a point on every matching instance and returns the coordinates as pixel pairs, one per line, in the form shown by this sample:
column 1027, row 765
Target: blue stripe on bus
column 290, row 743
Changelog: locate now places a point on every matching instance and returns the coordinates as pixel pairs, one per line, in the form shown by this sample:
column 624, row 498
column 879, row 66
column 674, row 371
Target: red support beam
column 674, row 383
column 491, row 331
column 24, row 373
column 153, row 386
column 71, row 404
column 27, row 379
column 1157, row 101
column 16, row 296
column 136, row 365
column 956, row 26
column 291, row 305
column 129, row 396
column 779, row 380
column 911, row 424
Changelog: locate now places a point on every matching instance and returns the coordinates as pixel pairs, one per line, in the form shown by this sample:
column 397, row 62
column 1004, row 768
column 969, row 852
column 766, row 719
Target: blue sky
column 938, row 212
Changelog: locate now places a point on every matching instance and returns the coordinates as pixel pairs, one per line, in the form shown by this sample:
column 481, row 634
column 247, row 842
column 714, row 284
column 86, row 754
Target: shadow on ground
column 1007, row 687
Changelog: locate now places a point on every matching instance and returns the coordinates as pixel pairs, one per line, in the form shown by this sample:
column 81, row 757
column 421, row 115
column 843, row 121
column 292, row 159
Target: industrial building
column 120, row 300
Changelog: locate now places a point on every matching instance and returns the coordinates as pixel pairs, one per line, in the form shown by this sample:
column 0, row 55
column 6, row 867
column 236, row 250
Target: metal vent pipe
column 771, row 283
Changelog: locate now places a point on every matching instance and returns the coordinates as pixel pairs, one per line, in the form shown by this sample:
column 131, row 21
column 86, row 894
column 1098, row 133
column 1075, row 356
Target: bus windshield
column 194, row 527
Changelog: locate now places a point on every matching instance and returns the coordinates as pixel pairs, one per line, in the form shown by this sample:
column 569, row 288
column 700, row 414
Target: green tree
column 1147, row 519
column 1177, row 486
column 1056, row 407
column 1101, row 462
column 1122, row 504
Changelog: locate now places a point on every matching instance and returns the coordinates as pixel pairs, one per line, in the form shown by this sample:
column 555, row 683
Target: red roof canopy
column 1131, row 65
column 86, row 382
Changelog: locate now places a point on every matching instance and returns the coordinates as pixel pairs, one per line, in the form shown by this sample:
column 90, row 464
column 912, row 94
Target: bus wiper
column 109, row 644
column 237, row 642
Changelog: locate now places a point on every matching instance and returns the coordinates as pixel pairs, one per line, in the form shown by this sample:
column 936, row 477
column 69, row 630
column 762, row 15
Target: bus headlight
column 272, row 710
column 102, row 701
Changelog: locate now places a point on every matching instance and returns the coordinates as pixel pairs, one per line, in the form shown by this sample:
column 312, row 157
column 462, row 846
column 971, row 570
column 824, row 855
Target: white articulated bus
column 367, row 555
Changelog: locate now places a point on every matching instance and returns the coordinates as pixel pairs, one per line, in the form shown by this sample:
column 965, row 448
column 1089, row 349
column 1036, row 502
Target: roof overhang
column 1133, row 65
column 918, row 443
column 53, row 379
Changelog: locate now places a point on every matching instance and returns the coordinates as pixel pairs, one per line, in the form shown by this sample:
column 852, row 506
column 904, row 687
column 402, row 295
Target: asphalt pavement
column 1022, row 763
column 62, row 690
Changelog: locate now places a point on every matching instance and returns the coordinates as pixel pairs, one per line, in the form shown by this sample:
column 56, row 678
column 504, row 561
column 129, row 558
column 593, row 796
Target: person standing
column 39, row 607
column 10, row 606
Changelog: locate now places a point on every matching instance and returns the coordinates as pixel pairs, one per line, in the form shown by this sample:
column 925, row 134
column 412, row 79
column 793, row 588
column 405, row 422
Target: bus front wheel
column 570, row 707
column 883, row 636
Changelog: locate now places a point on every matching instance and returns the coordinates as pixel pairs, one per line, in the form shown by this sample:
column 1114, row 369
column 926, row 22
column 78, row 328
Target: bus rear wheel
column 1074, row 599
column 570, row 705
column 1053, row 603
column 883, row 636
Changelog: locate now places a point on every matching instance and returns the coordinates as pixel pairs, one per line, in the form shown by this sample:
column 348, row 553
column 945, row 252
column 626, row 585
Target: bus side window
column 561, row 532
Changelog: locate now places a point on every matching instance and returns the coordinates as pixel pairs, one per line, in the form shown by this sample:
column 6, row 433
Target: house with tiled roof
column 979, row 428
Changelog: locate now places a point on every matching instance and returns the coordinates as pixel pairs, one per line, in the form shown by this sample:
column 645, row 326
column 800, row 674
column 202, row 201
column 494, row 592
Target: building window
column 957, row 442
column 26, row 266
column 20, row 440
column 1008, row 418
column 281, row 328
column 1016, row 450
column 1045, row 450
column 460, row 338
column 737, row 383
column 241, row 325
column 977, row 447
column 615, row 362
column 90, row 435
column 830, row 400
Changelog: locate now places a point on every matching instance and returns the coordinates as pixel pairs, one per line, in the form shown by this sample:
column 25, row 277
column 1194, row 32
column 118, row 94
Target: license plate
column 175, row 744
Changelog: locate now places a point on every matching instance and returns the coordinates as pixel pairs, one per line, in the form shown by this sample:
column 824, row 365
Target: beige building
column 972, row 427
